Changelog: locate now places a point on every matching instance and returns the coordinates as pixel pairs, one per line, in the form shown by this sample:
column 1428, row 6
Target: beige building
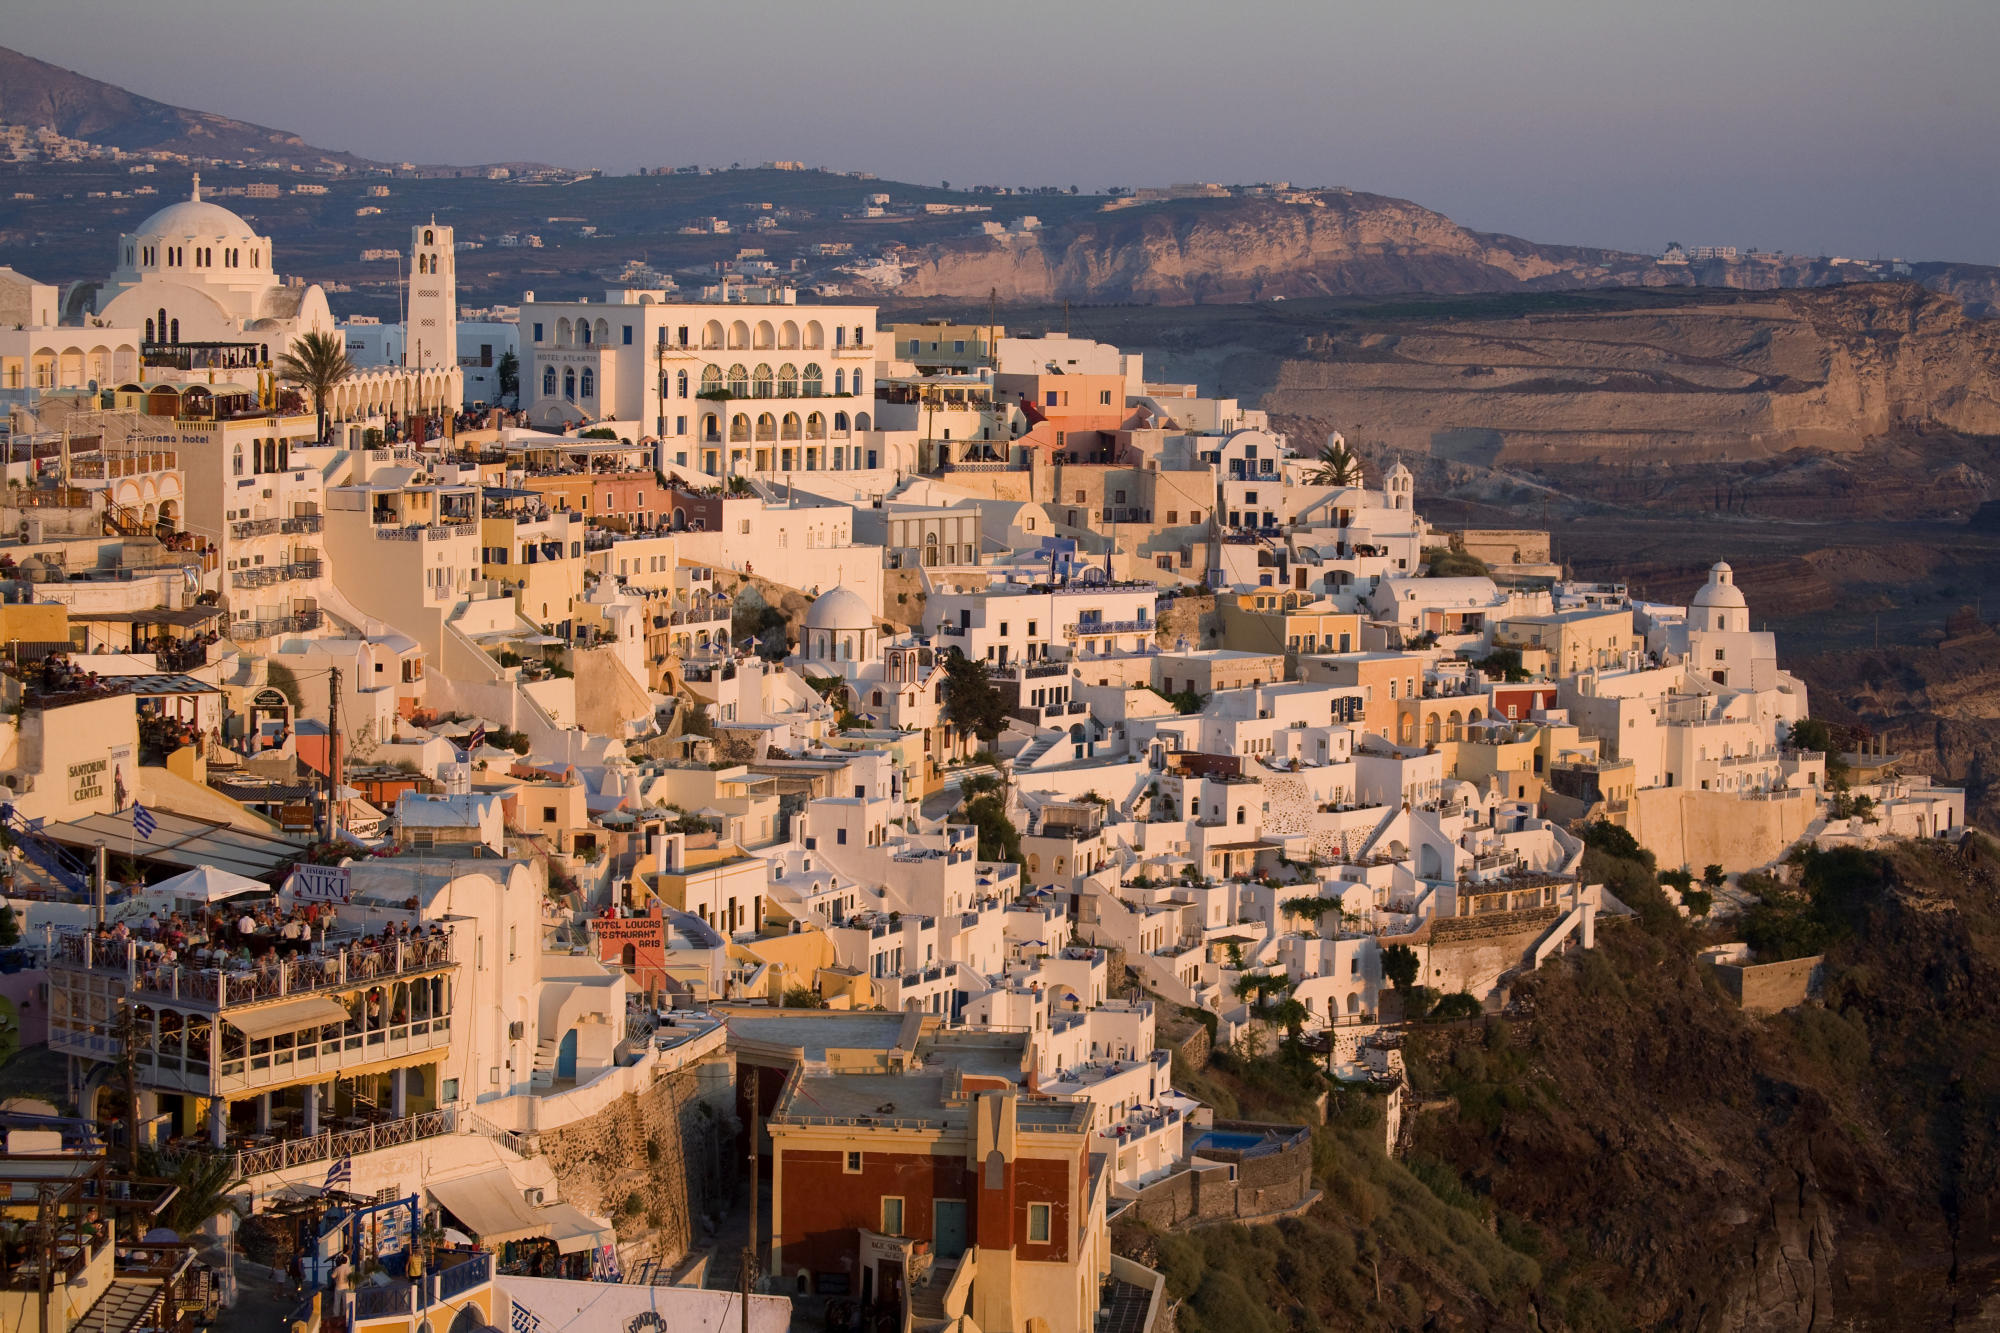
column 1573, row 640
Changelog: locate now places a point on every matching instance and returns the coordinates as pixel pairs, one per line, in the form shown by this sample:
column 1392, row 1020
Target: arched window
column 855, row 384
column 861, row 421
column 788, row 381
column 767, row 426
column 711, row 379
column 149, row 330
column 236, row 461
column 549, row 382
column 814, row 382
column 760, row 380
column 840, row 423
column 589, row 382
column 840, row 381
column 739, row 381
column 429, row 238
column 680, row 384
column 174, row 331
column 739, row 427
column 583, row 332
column 569, row 383
column 815, row 426
column 163, row 323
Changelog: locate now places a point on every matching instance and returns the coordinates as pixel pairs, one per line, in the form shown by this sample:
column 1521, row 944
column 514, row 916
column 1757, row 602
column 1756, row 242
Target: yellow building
column 940, row 345
column 537, row 554
column 1280, row 620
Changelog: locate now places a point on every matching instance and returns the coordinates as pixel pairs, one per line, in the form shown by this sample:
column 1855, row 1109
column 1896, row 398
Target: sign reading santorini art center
column 86, row 780
column 319, row 884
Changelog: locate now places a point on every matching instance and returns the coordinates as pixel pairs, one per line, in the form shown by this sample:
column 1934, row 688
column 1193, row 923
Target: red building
column 1517, row 703
column 984, row 1199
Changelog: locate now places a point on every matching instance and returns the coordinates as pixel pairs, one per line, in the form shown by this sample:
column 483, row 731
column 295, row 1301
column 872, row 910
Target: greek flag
column 143, row 822
column 340, row 1173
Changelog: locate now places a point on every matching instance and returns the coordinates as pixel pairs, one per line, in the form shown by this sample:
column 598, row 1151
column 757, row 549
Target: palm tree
column 316, row 363
column 205, row 1186
column 1338, row 465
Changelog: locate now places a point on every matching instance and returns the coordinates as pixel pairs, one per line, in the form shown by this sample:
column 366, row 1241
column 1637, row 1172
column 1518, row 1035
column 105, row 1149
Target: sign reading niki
column 319, row 884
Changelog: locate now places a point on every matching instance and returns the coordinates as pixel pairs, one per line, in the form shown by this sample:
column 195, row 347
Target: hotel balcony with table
column 338, row 1038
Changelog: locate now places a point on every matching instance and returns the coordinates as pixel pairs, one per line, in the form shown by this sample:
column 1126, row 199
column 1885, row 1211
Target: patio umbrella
column 206, row 884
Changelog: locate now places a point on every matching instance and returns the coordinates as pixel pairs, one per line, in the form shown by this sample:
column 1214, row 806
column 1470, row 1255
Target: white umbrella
column 206, row 884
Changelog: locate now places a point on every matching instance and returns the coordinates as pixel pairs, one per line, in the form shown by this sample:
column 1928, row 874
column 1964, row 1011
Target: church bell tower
column 430, row 338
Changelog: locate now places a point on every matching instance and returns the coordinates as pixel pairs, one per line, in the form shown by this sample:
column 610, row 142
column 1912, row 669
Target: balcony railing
column 214, row 988
column 265, row 575
column 124, row 465
column 435, row 532
column 328, row 1146
column 1085, row 628
column 301, row 623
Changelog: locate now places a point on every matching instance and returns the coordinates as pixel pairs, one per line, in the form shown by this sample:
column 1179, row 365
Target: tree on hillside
column 317, row 363
column 970, row 699
column 509, row 374
column 1338, row 465
column 1399, row 964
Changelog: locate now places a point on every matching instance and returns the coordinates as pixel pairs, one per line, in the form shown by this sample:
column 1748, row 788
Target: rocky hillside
column 44, row 96
column 1627, row 1150
column 1251, row 250
column 1732, row 379
column 1327, row 243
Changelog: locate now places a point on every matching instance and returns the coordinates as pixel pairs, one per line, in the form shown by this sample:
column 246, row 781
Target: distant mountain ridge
column 1300, row 244
column 45, row 96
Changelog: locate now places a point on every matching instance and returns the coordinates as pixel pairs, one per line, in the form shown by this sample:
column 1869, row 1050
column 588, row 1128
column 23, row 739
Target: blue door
column 566, row 1056
column 948, row 1227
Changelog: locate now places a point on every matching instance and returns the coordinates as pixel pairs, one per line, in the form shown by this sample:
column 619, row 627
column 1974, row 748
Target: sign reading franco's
column 628, row 929
column 319, row 884
column 86, row 780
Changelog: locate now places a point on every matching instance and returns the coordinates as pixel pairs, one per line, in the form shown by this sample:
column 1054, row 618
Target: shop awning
column 572, row 1230
column 311, row 1012
column 491, row 1207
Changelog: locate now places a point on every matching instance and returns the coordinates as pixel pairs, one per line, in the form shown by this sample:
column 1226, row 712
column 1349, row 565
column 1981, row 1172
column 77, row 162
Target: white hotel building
column 744, row 382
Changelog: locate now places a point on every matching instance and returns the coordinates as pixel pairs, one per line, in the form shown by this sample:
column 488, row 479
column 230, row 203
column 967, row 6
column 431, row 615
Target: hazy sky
column 1857, row 127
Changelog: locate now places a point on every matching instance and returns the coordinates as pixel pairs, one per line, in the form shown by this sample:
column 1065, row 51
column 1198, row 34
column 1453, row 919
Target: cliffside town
column 685, row 808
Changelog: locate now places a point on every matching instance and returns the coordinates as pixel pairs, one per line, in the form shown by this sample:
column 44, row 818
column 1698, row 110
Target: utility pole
column 98, row 889
column 332, row 752
column 750, row 1241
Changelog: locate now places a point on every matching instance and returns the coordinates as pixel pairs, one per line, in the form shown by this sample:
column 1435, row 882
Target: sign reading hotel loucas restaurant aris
column 635, row 929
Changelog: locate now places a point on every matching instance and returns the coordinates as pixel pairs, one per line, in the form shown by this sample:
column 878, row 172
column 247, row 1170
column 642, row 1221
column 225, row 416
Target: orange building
column 636, row 497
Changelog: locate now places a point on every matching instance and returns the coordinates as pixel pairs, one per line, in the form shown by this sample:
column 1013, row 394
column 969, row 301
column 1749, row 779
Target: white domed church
column 194, row 272
column 202, row 288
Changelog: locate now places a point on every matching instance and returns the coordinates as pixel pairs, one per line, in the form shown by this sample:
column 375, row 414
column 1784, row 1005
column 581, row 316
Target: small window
column 1038, row 1223
column 853, row 1163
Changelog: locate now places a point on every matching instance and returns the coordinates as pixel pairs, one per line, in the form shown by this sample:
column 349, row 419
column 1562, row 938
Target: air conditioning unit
column 516, row 1031
column 533, row 1196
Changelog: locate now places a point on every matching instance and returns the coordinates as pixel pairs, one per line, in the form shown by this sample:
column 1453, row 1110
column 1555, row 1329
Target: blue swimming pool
column 1228, row 1142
